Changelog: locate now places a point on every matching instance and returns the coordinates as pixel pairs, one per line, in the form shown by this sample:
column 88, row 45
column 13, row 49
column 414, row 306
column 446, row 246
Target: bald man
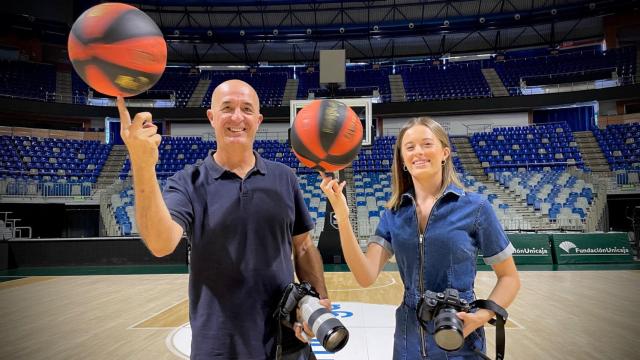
column 244, row 216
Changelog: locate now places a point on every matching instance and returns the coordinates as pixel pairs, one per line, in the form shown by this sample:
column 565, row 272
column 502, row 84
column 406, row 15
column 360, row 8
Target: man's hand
column 140, row 136
column 303, row 332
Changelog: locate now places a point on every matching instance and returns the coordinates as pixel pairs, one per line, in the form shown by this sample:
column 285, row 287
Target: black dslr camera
column 442, row 308
column 331, row 333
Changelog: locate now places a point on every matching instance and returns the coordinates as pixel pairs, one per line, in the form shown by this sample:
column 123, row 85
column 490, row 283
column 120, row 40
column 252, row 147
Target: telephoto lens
column 330, row 331
column 441, row 307
column 448, row 330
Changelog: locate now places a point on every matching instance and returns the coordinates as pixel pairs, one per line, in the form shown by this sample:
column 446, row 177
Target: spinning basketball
column 326, row 135
column 117, row 49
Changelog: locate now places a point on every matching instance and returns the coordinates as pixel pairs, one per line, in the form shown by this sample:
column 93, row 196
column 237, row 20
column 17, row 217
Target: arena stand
column 427, row 80
column 537, row 178
column 529, row 191
column 529, row 188
column 117, row 203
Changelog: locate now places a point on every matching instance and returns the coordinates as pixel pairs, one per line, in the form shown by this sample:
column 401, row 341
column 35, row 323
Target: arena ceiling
column 278, row 31
column 284, row 31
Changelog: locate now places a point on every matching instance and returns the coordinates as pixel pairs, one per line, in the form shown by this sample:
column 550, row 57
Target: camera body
column 331, row 333
column 442, row 308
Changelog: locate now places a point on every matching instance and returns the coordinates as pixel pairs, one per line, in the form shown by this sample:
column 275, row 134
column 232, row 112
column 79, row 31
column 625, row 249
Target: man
column 244, row 216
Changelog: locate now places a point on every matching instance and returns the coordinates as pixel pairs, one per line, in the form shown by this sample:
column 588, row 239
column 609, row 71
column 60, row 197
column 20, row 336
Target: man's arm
column 308, row 263
column 159, row 231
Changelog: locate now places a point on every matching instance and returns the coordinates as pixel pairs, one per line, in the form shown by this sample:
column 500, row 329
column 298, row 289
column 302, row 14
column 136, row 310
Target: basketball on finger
column 326, row 135
column 117, row 49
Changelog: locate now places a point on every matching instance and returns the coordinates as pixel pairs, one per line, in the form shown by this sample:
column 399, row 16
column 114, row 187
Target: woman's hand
column 333, row 191
column 472, row 321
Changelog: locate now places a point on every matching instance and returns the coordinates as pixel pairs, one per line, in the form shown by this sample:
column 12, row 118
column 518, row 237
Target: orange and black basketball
column 117, row 49
column 326, row 135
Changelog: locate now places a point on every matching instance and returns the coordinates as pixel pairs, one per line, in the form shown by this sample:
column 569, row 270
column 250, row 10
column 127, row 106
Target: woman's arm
column 502, row 294
column 365, row 267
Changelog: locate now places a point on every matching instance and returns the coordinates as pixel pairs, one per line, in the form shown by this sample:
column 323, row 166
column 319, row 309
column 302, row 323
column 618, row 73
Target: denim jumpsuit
column 460, row 226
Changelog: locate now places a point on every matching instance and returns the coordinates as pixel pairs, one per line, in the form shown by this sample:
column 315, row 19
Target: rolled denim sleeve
column 382, row 235
column 493, row 242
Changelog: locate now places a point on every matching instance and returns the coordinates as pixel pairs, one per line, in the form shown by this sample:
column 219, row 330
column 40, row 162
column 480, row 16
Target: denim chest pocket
column 463, row 246
column 450, row 255
column 450, row 231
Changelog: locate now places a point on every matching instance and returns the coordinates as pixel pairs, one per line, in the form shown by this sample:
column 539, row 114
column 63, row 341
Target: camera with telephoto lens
column 442, row 308
column 330, row 331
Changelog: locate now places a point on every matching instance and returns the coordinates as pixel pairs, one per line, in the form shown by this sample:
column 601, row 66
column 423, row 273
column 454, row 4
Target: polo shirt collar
column 217, row 170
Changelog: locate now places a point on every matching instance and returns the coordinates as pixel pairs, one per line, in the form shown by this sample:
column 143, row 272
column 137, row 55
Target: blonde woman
column 435, row 229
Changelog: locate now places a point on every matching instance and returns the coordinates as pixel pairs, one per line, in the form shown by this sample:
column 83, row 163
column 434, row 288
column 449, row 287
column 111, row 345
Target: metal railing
column 67, row 98
column 478, row 128
column 628, row 178
column 111, row 226
column 11, row 188
column 10, row 230
column 573, row 86
column 345, row 92
column 612, row 69
column 265, row 134
column 420, row 96
column 527, row 165
column 168, row 100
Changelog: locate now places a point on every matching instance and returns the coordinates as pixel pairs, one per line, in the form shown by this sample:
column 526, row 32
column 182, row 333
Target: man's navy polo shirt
column 240, row 231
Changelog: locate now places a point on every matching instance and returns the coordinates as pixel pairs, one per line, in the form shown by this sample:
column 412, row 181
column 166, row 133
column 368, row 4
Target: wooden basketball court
column 557, row 315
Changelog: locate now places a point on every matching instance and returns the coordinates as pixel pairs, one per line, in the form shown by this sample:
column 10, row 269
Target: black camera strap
column 285, row 313
column 498, row 322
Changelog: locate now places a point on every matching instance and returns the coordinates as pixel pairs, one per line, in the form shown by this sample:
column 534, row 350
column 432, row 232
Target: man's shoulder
column 278, row 167
column 190, row 173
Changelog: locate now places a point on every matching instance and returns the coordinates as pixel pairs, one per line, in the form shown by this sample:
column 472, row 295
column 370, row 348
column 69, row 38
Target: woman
column 435, row 229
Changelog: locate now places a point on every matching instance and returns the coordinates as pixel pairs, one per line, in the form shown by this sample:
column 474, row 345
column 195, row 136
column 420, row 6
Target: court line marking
column 133, row 327
column 171, row 346
column 155, row 327
column 393, row 281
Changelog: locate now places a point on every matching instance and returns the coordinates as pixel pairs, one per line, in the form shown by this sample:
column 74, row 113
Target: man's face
column 235, row 113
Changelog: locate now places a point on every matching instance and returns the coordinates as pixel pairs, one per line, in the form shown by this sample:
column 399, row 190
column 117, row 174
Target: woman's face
column 422, row 153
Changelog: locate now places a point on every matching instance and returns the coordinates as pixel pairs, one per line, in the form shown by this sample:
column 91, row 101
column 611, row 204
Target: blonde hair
column 401, row 180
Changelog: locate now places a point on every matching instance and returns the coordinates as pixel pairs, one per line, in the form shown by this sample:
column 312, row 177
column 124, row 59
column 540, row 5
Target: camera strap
column 498, row 322
column 285, row 312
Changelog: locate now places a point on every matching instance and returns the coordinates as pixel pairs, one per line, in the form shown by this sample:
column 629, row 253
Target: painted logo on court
column 371, row 328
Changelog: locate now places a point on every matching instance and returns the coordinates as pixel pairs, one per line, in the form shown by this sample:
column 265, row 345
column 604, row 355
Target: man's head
column 235, row 113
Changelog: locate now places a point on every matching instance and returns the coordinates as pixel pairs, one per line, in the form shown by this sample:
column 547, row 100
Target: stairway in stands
column 396, row 85
column 473, row 167
column 495, row 83
column 592, row 153
column 468, row 157
column 290, row 91
column 112, row 166
column 198, row 93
